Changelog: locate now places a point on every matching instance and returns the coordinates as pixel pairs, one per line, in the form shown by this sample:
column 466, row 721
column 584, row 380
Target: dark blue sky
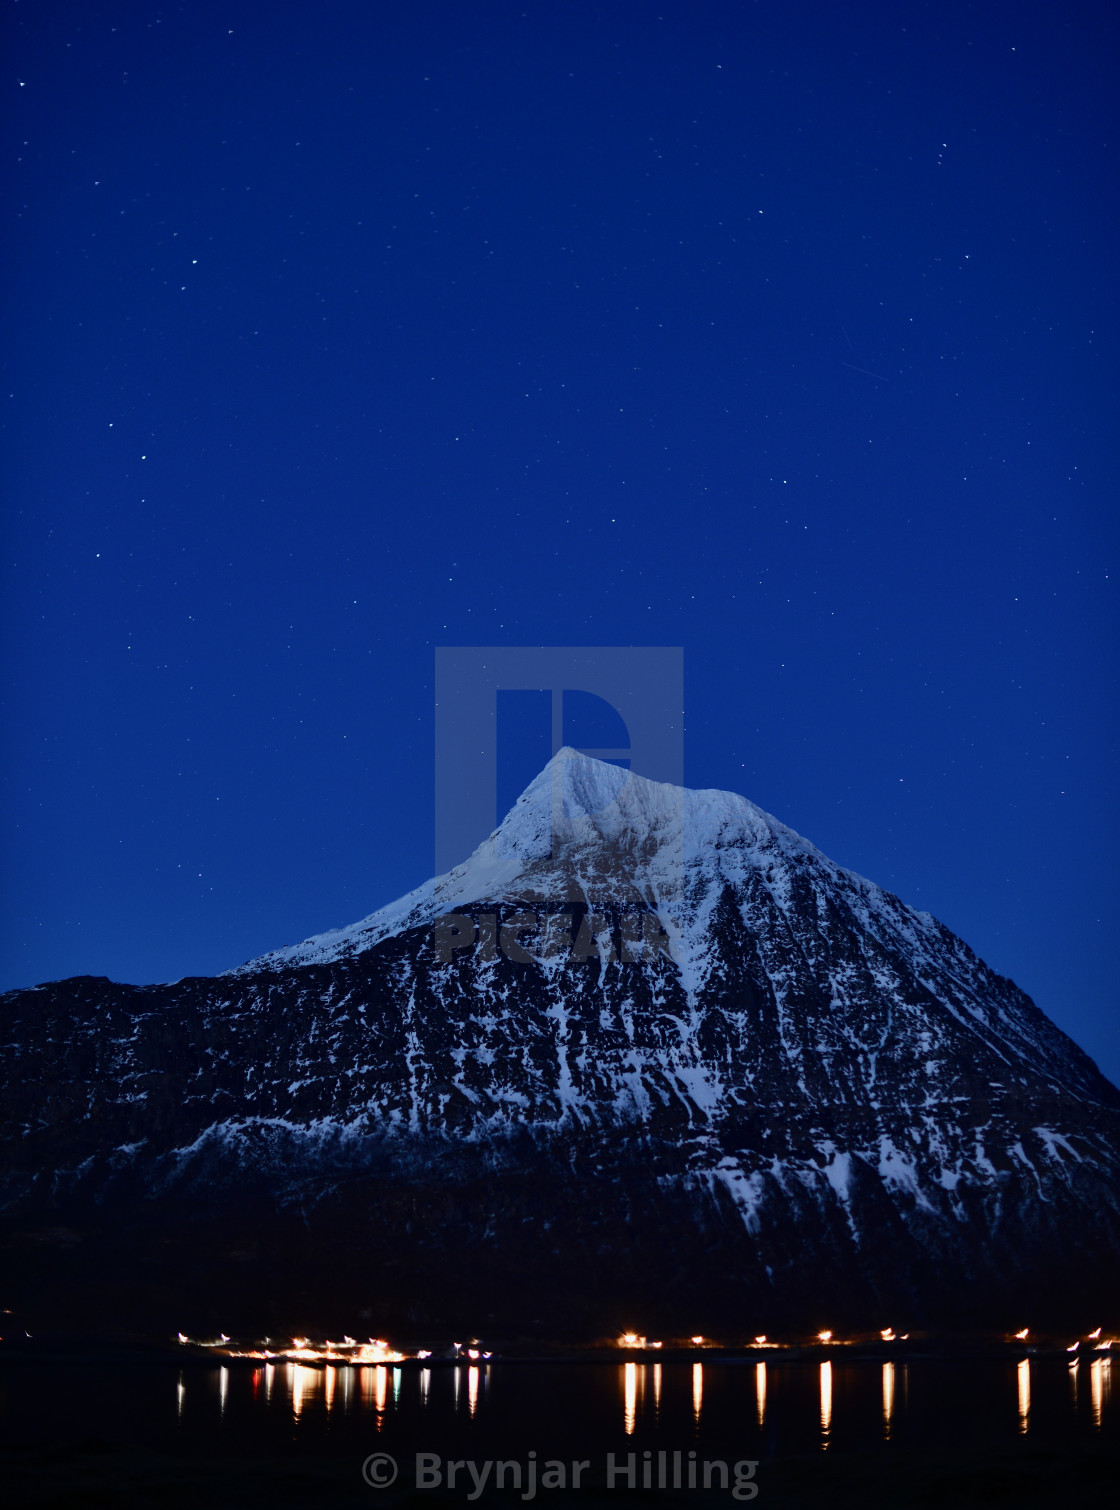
column 782, row 332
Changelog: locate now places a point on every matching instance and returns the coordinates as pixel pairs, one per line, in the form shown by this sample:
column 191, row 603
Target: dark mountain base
column 465, row 1249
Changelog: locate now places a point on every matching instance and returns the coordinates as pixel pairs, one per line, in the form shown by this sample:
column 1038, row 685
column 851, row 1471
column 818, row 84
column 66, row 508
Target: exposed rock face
column 726, row 1085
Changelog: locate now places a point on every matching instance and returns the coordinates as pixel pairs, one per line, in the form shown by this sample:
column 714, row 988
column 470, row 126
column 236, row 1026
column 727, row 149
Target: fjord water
column 726, row 1410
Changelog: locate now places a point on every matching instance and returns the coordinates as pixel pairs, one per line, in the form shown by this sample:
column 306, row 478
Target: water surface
column 738, row 1409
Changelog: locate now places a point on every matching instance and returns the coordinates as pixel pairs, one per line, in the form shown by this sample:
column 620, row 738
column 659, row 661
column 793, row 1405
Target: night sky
column 782, row 332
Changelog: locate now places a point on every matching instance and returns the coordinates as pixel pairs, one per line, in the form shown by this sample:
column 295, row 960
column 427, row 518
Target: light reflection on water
column 630, row 1397
column 303, row 1379
column 1100, row 1378
column 650, row 1395
column 826, row 1404
column 373, row 1386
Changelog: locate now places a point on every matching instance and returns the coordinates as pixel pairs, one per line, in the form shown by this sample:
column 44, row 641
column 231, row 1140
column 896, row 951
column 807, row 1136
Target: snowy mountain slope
column 624, row 844
column 756, row 1075
column 589, row 809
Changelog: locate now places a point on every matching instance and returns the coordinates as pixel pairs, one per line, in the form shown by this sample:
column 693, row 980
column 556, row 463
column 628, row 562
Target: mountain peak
column 587, row 799
column 578, row 798
column 587, row 831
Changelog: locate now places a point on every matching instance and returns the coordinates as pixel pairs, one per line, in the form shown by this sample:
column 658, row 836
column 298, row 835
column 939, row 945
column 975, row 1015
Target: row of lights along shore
column 828, row 1338
column 377, row 1350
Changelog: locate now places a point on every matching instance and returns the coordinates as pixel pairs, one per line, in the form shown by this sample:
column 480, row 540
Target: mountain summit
column 646, row 1057
column 581, row 823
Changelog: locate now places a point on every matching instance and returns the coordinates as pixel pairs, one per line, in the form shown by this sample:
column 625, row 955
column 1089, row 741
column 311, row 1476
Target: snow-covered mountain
column 666, row 1062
